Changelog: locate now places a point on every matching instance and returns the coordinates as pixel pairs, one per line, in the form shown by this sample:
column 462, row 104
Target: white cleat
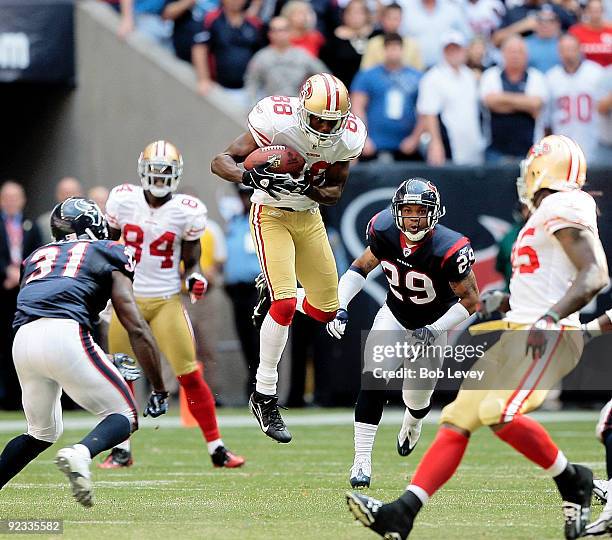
column 601, row 526
column 76, row 468
column 600, row 490
column 361, row 473
column 408, row 437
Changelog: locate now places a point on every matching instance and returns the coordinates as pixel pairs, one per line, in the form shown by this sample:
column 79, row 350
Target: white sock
column 419, row 492
column 273, row 338
column 83, row 450
column 213, row 445
column 301, row 296
column 409, row 420
column 558, row 466
column 125, row 445
column 364, row 439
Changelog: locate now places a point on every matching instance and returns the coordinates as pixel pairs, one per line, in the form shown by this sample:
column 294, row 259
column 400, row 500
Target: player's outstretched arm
column 351, row 282
column 196, row 283
column 225, row 164
column 587, row 254
column 330, row 191
column 142, row 341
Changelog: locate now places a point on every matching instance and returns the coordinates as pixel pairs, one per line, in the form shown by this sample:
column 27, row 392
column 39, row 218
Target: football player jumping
column 432, row 288
column 64, row 286
column 558, row 266
column 286, row 224
column 163, row 229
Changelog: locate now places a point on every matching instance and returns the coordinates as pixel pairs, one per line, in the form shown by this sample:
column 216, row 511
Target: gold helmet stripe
column 333, row 91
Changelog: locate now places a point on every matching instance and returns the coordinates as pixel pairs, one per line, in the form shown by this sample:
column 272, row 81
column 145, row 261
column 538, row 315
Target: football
column 284, row 160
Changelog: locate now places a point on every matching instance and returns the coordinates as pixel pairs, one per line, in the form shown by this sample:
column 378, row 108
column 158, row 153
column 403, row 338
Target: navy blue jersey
column 419, row 275
column 70, row 280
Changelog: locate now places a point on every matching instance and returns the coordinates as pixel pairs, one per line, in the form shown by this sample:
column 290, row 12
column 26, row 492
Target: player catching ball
column 286, row 224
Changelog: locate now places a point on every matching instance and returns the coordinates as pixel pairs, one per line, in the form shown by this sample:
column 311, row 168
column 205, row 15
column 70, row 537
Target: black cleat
column 263, row 301
column 361, row 473
column 577, row 503
column 392, row 521
column 265, row 408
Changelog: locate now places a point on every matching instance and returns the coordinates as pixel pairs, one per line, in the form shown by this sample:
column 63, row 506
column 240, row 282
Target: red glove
column 197, row 285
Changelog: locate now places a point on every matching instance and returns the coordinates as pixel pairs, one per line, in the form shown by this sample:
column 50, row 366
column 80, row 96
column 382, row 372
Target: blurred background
column 452, row 90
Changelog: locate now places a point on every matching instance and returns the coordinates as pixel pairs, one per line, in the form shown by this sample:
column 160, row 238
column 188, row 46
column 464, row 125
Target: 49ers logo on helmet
column 307, row 90
column 538, row 150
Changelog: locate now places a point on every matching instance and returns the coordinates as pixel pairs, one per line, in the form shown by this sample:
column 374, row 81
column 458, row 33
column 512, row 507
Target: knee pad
column 490, row 411
column 282, row 311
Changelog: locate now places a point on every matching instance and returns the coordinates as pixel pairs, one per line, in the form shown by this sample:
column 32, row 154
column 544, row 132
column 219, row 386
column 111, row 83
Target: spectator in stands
column 573, row 96
column 603, row 151
column 280, row 68
column 448, row 104
column 188, row 17
column 302, row 22
column 99, row 195
column 145, row 17
column 513, row 97
column 542, row 45
column 344, row 48
column 427, row 20
column 521, row 19
column 327, row 14
column 229, row 40
column 385, row 98
column 484, row 16
column 477, row 58
column 65, row 188
column 19, row 237
column 241, row 269
column 391, row 21
column 594, row 34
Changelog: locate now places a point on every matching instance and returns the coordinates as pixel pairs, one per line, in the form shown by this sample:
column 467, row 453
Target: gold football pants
column 292, row 247
column 172, row 330
column 514, row 383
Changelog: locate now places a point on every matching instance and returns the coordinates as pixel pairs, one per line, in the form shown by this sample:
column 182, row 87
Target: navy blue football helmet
column 78, row 218
column 422, row 192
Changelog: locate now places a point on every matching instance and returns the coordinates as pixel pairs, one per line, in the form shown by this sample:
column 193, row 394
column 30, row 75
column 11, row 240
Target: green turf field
column 294, row 491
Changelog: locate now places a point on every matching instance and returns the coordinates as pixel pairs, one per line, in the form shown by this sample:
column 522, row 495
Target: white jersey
column 542, row 271
column 573, row 103
column 155, row 235
column 274, row 120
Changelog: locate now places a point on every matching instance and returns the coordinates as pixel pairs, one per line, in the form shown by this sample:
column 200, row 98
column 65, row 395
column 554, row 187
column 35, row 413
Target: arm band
column 350, row 284
column 456, row 314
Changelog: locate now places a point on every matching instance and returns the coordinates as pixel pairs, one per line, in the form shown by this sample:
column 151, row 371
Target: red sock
column 201, row 403
column 317, row 314
column 529, row 438
column 440, row 461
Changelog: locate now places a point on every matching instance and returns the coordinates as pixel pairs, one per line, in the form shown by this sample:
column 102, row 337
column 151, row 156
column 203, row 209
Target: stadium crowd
column 435, row 80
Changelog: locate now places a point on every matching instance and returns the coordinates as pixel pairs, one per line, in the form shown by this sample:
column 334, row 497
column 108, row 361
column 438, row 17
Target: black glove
column 273, row 184
column 126, row 366
column 157, row 404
